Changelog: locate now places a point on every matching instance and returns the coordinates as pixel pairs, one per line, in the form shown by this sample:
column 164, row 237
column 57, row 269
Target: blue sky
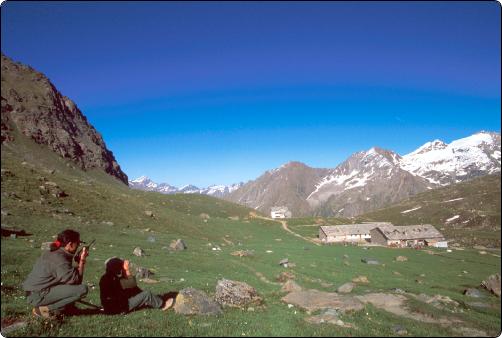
column 218, row 92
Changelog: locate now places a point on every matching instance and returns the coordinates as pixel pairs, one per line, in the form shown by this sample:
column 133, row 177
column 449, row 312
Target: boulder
column 492, row 284
column 361, row 279
column 370, row 261
column 346, row 288
column 191, row 301
column 138, row 252
column 291, row 286
column 142, row 273
column 284, row 262
column 236, row 294
column 178, row 245
column 474, row 293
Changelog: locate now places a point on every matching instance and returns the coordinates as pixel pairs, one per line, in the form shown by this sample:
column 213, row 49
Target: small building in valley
column 408, row 236
column 280, row 212
column 348, row 233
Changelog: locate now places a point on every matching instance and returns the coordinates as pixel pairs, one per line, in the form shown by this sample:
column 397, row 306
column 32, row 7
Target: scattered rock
column 346, row 288
column 284, row 262
column 401, row 259
column 138, row 252
column 285, row 276
column 178, row 245
column 149, row 281
column 191, row 301
column 143, row 272
column 149, row 213
column 370, row 261
column 479, row 247
column 151, row 239
column 243, row 253
column 482, row 252
column 361, row 279
column 329, row 316
column 204, row 216
column 469, row 332
column 346, row 256
column 291, row 286
column 312, row 300
column 399, row 330
column 492, row 284
column 236, row 294
column 396, row 273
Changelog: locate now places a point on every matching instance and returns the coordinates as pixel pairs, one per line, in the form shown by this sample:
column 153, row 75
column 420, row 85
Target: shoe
column 41, row 312
column 168, row 304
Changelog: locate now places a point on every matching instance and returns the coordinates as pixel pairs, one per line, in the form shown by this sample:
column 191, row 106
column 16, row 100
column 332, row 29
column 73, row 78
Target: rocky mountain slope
column 33, row 107
column 289, row 186
column 366, row 181
column 146, row 184
column 372, row 179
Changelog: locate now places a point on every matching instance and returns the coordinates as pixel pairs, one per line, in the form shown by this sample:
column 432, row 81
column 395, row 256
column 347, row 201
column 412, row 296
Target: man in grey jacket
column 54, row 283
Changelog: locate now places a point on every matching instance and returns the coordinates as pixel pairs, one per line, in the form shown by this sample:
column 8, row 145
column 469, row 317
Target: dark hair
column 64, row 238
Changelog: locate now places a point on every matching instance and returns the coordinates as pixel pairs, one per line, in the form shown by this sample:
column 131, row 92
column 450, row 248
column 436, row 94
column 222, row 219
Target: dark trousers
column 145, row 299
column 57, row 297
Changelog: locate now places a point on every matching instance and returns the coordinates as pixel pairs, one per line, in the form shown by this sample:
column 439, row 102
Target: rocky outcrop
column 236, row 294
column 35, row 108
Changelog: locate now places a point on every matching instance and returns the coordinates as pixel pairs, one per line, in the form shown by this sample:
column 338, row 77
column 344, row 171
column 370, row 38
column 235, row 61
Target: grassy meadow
column 101, row 208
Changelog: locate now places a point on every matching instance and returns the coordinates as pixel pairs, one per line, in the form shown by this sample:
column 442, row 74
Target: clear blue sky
column 217, row 93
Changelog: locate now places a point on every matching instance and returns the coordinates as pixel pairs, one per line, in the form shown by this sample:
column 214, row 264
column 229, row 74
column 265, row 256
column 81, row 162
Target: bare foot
column 168, row 304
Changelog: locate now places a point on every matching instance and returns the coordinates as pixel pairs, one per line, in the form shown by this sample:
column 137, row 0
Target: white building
column 280, row 212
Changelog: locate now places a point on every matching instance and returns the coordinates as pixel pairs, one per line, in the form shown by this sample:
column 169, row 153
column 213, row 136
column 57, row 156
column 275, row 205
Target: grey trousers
column 57, row 297
column 145, row 298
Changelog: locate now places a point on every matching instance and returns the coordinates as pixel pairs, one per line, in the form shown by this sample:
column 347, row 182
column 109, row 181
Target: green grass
column 95, row 199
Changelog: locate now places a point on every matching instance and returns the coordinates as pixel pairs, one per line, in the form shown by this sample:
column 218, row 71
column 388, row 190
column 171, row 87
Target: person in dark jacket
column 120, row 294
column 54, row 284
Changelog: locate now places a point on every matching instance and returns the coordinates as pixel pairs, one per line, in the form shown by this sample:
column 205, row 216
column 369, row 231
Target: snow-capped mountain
column 145, row 183
column 372, row 179
column 443, row 164
column 367, row 180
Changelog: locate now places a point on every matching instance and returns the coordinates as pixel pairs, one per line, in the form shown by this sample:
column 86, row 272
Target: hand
column 83, row 254
column 125, row 268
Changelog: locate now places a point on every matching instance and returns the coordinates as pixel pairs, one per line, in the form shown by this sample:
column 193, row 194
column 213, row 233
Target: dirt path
column 285, row 227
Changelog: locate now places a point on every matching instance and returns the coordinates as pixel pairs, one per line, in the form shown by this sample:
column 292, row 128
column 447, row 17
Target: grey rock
column 346, row 288
column 191, row 301
column 178, row 245
column 370, row 261
column 236, row 294
column 142, row 272
column 474, row 293
column 492, row 284
column 138, row 252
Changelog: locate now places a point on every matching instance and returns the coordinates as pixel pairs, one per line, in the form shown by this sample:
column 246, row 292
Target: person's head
column 67, row 239
column 114, row 266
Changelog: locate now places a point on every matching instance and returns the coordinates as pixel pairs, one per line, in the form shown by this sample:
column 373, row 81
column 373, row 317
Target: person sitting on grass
column 120, row 294
column 54, row 284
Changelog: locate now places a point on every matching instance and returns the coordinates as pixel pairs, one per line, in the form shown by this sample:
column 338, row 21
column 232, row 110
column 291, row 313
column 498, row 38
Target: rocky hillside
column 289, row 185
column 33, row 107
